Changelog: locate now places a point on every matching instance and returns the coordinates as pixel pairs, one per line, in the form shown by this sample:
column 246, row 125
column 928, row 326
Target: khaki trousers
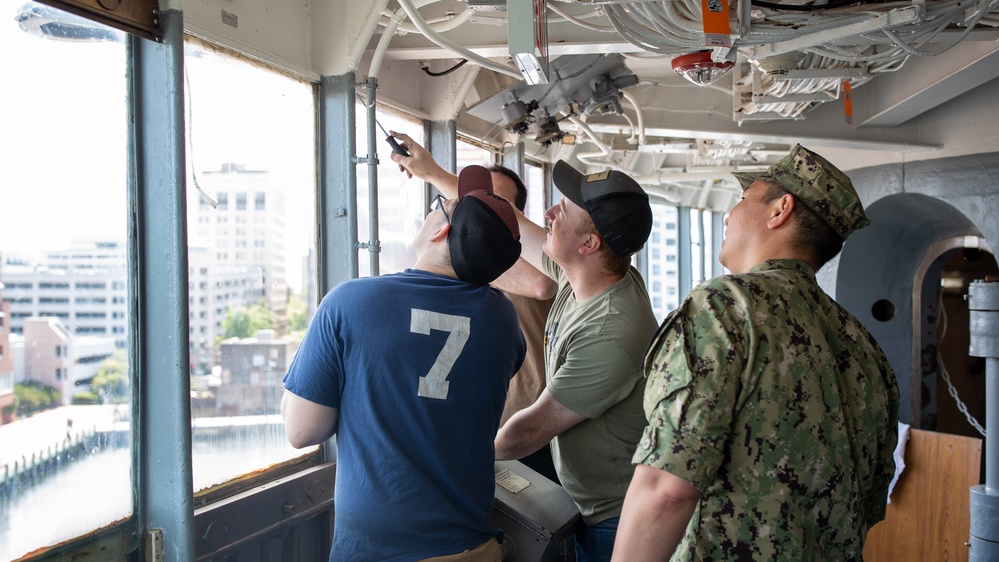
column 488, row 551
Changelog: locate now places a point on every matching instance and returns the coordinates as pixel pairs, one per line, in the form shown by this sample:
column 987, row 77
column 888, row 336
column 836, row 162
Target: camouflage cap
column 822, row 187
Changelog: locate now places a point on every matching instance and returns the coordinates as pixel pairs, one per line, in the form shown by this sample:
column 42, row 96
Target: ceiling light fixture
column 698, row 68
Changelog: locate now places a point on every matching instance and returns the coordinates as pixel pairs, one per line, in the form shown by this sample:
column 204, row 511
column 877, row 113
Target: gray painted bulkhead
column 880, row 268
column 919, row 211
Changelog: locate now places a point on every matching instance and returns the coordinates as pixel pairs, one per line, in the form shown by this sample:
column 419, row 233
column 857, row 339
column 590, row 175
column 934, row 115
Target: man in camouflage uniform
column 772, row 411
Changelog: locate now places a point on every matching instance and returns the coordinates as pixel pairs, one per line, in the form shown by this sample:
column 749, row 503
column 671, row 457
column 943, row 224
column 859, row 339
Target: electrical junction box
column 536, row 515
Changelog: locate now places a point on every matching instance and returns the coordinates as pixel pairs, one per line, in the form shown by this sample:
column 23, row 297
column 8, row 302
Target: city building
column 213, row 288
column 251, row 373
column 662, row 258
column 6, row 360
column 85, row 287
column 55, row 357
column 245, row 228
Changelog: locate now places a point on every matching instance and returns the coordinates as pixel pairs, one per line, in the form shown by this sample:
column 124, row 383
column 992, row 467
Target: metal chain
column 943, row 370
column 953, row 392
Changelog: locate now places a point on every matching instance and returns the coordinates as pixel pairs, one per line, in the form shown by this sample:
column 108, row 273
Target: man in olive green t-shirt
column 595, row 341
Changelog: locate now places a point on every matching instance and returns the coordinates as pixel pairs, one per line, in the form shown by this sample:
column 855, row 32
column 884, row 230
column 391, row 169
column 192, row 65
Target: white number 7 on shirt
column 435, row 384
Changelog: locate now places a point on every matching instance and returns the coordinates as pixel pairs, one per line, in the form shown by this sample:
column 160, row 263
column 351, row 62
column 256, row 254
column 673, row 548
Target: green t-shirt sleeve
column 695, row 367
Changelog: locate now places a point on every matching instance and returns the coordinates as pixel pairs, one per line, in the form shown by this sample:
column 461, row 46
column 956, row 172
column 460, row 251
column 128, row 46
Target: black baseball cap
column 618, row 206
column 484, row 240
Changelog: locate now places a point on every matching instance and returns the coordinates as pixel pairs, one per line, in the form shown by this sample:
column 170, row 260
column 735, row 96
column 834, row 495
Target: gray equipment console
column 537, row 515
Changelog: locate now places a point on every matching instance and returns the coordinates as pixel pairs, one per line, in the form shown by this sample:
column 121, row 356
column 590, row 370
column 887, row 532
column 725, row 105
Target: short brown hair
column 521, row 201
column 611, row 261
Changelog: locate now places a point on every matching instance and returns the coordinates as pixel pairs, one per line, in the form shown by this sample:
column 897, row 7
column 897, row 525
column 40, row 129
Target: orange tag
column 848, row 102
column 716, row 27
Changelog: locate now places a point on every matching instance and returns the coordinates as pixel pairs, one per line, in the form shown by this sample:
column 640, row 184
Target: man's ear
column 441, row 233
column 591, row 244
column 780, row 211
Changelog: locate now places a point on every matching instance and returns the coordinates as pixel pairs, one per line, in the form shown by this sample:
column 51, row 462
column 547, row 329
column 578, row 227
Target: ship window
column 64, row 174
column 401, row 200
column 236, row 396
column 663, row 286
column 537, row 187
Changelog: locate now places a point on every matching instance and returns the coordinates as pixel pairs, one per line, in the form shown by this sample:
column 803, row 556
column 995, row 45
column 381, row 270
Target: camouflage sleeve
column 695, row 367
column 875, row 506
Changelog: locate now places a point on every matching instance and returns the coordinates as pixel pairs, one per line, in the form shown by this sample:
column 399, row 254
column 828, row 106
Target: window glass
column 662, row 255
column 698, row 256
column 251, row 267
column 701, row 246
column 401, row 200
column 470, row 154
column 534, row 179
column 710, row 259
column 65, row 406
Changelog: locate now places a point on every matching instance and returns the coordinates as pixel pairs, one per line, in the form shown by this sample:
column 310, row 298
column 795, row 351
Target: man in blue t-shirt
column 410, row 371
column 595, row 339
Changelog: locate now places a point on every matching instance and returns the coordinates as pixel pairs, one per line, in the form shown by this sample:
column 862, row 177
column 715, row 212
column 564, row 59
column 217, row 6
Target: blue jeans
column 595, row 543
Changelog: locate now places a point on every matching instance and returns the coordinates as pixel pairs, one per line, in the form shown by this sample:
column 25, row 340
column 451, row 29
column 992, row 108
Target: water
column 95, row 490
column 81, row 496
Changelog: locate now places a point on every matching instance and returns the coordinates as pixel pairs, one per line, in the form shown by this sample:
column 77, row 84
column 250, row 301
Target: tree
column 242, row 322
column 111, row 380
column 298, row 314
column 32, row 396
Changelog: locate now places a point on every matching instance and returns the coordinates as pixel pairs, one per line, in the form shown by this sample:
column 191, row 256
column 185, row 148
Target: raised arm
column 422, row 165
column 527, row 281
column 532, row 241
column 526, row 277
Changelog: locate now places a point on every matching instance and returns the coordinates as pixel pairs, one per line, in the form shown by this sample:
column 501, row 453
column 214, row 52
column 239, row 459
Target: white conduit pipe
column 662, row 192
column 585, row 157
column 631, row 125
column 446, row 43
column 573, row 19
column 644, row 181
column 370, row 23
column 395, row 19
column 702, row 199
column 638, row 113
column 462, row 94
column 383, row 43
column 439, row 25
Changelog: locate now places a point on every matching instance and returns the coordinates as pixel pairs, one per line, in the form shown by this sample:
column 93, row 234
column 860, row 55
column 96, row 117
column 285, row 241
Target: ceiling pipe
column 586, row 157
column 365, row 34
column 702, row 199
column 724, row 173
column 573, row 19
column 383, row 43
column 446, row 43
column 439, row 25
column 639, row 114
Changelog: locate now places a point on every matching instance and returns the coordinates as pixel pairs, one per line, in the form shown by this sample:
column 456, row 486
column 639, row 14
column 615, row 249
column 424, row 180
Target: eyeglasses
column 439, row 204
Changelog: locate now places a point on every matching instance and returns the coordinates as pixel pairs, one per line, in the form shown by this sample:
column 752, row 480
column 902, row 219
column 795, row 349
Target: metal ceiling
column 614, row 101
